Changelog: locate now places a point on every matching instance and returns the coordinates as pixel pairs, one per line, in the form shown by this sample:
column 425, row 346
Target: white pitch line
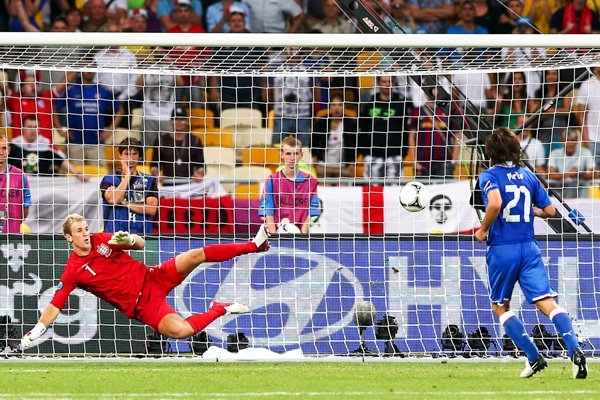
column 398, row 393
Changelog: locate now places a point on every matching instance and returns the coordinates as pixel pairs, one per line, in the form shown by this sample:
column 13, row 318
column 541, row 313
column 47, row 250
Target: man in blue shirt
column 513, row 196
column 87, row 106
column 129, row 197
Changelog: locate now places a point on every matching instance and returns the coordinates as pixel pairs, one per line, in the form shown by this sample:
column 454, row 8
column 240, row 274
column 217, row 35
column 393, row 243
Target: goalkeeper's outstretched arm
column 46, row 319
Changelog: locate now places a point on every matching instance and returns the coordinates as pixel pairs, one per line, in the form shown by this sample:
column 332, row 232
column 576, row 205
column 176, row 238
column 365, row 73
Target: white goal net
column 372, row 112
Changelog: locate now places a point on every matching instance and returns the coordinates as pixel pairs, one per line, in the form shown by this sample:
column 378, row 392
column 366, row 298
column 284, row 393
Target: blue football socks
column 515, row 329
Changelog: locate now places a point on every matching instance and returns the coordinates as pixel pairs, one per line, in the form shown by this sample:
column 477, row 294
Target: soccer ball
column 287, row 228
column 364, row 313
column 414, row 196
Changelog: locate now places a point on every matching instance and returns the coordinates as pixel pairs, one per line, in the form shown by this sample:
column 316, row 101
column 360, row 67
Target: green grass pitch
column 290, row 380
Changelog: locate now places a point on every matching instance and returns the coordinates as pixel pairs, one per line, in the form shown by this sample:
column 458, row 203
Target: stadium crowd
column 378, row 128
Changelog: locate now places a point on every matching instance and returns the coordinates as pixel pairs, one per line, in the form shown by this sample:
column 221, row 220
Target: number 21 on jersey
column 512, row 212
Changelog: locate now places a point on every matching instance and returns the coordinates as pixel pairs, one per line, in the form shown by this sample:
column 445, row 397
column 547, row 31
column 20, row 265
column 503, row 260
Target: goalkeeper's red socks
column 200, row 321
column 224, row 252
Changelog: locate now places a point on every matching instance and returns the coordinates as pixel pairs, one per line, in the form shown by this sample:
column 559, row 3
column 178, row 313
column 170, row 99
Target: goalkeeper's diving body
column 512, row 197
column 99, row 265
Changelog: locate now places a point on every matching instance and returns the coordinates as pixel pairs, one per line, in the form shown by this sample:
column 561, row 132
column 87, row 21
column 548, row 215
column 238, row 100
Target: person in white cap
column 217, row 15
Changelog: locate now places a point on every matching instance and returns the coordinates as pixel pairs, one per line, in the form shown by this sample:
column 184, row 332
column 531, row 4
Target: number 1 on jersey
column 517, row 190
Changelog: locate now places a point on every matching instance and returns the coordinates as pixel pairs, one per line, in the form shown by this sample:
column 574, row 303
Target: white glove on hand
column 37, row 331
column 122, row 238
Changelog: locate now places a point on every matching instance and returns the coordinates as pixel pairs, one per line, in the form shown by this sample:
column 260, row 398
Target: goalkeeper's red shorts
column 152, row 305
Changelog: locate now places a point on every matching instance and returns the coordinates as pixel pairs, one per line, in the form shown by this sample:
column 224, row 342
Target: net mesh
column 367, row 127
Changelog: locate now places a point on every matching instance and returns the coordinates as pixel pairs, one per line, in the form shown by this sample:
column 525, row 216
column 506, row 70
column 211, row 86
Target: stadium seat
column 234, row 118
column 137, row 118
column 216, row 137
column 221, row 171
column 368, row 60
column 219, row 155
column 249, row 191
column 119, row 134
column 347, row 113
column 202, row 118
column 253, row 137
column 263, row 156
column 90, row 170
column 111, row 157
column 247, row 188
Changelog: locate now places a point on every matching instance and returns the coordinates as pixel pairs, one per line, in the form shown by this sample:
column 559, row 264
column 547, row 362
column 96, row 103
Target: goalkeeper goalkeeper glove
column 37, row 331
column 122, row 238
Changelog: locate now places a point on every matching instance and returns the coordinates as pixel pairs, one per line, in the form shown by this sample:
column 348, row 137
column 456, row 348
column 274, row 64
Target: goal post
column 366, row 127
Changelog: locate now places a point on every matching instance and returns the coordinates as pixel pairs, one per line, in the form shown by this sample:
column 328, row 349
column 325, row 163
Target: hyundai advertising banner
column 302, row 293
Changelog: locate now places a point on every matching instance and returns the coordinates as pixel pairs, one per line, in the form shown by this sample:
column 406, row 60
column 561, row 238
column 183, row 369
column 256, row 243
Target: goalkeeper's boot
column 231, row 308
column 261, row 240
column 579, row 364
column 532, row 368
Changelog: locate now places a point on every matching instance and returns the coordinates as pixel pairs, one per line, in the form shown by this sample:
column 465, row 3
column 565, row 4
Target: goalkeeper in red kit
column 99, row 265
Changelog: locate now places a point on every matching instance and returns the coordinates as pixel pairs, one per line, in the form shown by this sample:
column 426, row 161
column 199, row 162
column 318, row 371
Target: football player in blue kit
column 513, row 196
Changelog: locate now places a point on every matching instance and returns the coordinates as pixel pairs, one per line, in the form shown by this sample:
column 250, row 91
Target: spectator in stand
column 137, row 21
column 553, row 122
column 541, row 12
column 430, row 142
column 403, row 16
column 218, row 14
column 27, row 100
column 334, row 141
column 524, row 56
column 534, row 151
column 97, row 16
column 121, row 84
column 465, row 26
column 587, row 109
column 34, row 155
column 382, row 137
column 116, row 10
column 27, row 24
column 575, row 18
column 158, row 94
column 572, row 167
column 166, row 10
column 86, row 104
column 37, row 13
column 74, row 18
column 5, row 119
column 487, row 14
column 433, row 15
column 267, row 16
column 178, row 155
column 333, row 21
column 289, row 193
column 509, row 17
column 513, row 101
column 129, row 197
column 294, row 97
column 466, row 23
column 149, row 8
column 477, row 88
column 238, row 91
column 15, row 203
column 188, row 56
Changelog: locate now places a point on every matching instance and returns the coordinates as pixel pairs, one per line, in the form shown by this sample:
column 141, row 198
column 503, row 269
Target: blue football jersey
column 520, row 191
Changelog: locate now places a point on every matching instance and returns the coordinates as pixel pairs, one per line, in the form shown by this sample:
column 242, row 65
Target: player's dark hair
column 503, row 146
column 130, row 144
column 29, row 118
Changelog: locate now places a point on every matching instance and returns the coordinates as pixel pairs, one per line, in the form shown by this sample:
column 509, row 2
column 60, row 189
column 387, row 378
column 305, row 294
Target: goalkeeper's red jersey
column 107, row 272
